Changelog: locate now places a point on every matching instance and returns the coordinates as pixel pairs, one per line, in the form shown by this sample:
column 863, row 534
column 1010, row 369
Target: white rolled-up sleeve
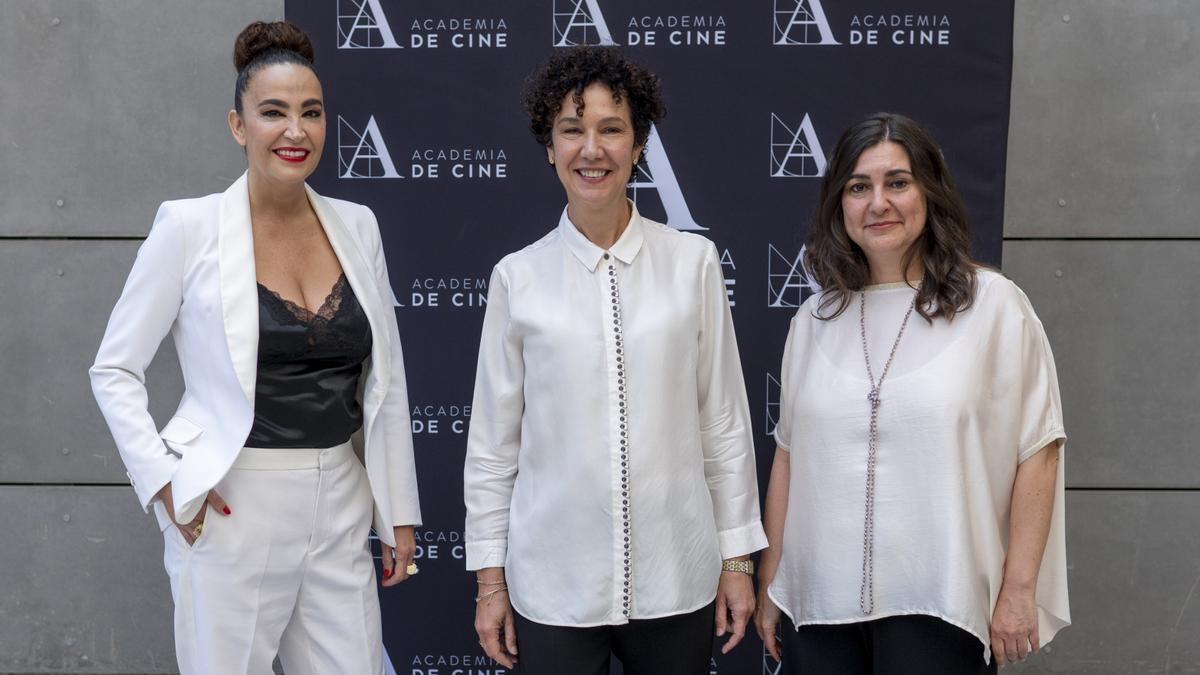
column 725, row 431
column 494, row 439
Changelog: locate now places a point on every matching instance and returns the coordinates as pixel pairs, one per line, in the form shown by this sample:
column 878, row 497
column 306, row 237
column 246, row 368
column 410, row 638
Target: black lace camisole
column 309, row 365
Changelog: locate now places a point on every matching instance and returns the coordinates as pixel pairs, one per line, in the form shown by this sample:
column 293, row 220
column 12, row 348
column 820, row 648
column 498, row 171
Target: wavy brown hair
column 944, row 247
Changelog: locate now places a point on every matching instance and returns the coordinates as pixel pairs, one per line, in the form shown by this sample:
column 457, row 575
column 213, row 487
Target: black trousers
column 673, row 645
column 899, row 645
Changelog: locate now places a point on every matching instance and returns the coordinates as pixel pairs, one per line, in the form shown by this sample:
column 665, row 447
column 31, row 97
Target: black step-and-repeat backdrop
column 425, row 127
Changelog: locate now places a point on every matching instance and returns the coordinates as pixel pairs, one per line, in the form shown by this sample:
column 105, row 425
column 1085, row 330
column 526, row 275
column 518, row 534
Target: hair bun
column 263, row 36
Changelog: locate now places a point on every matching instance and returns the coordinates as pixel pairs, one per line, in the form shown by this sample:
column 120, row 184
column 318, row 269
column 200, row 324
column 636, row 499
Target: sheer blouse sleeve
column 783, row 423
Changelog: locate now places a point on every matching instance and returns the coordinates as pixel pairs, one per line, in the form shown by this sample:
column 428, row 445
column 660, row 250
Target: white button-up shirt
column 610, row 462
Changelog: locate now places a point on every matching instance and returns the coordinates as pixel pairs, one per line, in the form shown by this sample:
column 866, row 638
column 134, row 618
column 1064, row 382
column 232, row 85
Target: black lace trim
column 324, row 314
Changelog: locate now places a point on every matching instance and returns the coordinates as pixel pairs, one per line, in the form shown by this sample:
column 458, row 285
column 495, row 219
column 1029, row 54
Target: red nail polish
column 387, row 574
column 226, row 510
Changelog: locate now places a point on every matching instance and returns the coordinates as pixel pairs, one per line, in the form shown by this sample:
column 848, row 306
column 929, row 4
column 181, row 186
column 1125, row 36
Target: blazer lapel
column 239, row 295
column 360, row 273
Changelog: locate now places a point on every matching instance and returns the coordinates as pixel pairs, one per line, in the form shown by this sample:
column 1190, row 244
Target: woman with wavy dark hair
column 926, row 448
column 279, row 303
column 610, row 484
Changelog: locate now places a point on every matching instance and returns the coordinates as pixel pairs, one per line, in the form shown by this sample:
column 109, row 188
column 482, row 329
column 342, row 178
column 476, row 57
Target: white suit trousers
column 289, row 572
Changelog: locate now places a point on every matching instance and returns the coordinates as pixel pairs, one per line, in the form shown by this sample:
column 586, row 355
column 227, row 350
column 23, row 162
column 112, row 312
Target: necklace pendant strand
column 866, row 591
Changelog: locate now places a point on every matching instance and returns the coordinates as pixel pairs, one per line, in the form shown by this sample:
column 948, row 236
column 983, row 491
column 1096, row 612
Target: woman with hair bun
column 278, row 301
column 915, row 505
column 612, row 503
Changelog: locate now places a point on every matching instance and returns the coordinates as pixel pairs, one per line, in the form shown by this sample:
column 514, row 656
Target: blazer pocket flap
column 180, row 430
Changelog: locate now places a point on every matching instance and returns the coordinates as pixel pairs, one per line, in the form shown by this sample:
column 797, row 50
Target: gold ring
column 411, row 569
column 198, row 529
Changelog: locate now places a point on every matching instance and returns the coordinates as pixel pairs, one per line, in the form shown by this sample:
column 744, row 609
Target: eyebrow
column 892, row 172
column 606, row 120
column 283, row 104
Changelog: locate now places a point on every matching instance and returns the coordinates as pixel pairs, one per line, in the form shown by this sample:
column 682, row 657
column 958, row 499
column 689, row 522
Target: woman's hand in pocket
column 192, row 531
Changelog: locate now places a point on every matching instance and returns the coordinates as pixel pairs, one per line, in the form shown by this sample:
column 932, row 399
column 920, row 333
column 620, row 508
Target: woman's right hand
column 191, row 531
column 494, row 618
column 766, row 621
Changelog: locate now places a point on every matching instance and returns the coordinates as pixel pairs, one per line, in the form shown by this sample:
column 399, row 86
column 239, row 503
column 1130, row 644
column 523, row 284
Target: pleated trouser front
column 289, row 572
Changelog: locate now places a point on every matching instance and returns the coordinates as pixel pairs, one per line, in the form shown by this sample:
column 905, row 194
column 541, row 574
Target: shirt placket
column 619, row 432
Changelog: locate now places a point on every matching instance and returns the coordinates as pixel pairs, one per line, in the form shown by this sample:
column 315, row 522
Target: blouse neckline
column 891, row 286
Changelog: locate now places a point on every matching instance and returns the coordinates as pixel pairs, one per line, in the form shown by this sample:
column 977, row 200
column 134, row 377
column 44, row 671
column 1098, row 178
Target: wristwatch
column 745, row 566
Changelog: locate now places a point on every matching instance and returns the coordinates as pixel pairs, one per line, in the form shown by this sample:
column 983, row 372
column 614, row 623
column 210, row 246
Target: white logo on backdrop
column 770, row 665
column 802, row 22
column 440, row 418
column 788, row 279
column 363, row 154
column 795, row 153
column 444, row 292
column 728, row 270
column 363, row 25
column 460, row 662
column 580, row 22
column 773, row 395
column 658, row 175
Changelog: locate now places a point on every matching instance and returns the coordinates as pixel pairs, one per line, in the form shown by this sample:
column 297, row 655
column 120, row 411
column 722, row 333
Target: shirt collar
column 625, row 249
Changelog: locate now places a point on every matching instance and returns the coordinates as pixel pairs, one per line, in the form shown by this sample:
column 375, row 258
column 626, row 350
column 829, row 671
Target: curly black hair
column 570, row 71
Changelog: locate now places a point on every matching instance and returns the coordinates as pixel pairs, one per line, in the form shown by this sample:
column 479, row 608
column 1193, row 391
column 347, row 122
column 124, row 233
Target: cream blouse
column 964, row 404
column 610, row 461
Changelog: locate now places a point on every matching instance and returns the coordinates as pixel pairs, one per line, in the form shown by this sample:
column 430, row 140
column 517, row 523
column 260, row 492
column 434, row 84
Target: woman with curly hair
column 919, row 434
column 610, row 481
column 278, row 300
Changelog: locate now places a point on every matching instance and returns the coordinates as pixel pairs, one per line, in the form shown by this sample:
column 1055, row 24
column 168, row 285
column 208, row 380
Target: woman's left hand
column 735, row 606
column 396, row 560
column 1014, row 625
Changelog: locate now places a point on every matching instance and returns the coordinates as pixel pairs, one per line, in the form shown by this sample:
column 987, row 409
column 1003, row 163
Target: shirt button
column 606, row 256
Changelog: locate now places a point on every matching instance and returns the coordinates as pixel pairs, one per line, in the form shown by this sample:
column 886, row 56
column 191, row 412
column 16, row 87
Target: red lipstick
column 294, row 155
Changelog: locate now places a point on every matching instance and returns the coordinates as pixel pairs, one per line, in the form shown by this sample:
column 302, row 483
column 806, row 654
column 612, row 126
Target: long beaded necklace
column 866, row 592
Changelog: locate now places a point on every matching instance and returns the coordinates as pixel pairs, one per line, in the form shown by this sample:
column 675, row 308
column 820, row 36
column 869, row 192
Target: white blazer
column 194, row 276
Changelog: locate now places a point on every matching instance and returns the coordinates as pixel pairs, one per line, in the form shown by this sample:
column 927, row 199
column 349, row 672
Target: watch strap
column 743, row 566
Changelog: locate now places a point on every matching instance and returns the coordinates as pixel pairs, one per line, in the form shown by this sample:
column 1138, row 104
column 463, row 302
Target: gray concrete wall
column 108, row 108
column 111, row 107
column 1100, row 231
